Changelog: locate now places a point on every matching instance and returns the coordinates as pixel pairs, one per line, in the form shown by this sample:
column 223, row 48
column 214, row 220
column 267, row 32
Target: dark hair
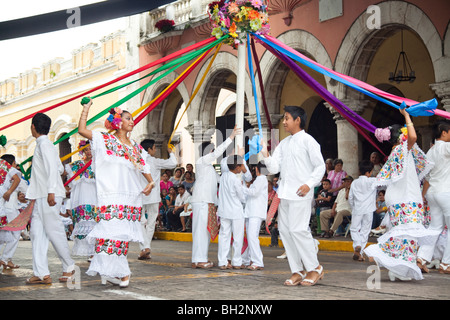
column 42, row 123
column 9, row 158
column 296, row 112
column 203, row 146
column 236, row 161
column 395, row 133
column 382, row 191
column 337, row 161
column 439, row 127
column 147, row 143
column 261, row 168
column 365, row 166
column 326, row 180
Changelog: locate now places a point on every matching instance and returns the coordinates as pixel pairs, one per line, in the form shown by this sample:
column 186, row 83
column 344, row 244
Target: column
column 442, row 90
column 347, row 137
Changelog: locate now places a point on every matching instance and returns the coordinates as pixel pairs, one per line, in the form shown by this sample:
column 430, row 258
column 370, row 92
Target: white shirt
column 231, row 196
column 299, row 161
column 362, row 195
column 341, row 202
column 156, row 165
column 46, row 171
column 206, row 181
column 257, row 196
column 224, row 168
column 182, row 199
column 439, row 176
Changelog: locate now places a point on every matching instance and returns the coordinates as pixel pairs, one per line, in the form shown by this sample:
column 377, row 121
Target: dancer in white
column 150, row 203
column 255, row 212
column 46, row 187
column 83, row 201
column 118, row 164
column 437, row 193
column 10, row 185
column 397, row 249
column 301, row 166
column 204, row 198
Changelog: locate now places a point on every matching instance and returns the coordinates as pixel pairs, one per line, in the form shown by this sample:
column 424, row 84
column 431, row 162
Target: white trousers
column 200, row 234
column 360, row 229
column 253, row 254
column 440, row 216
column 47, row 226
column 148, row 225
column 10, row 247
column 230, row 227
column 293, row 225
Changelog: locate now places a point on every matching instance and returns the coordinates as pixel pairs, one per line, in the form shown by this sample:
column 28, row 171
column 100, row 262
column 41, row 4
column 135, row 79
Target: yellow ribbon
column 162, row 92
column 169, row 145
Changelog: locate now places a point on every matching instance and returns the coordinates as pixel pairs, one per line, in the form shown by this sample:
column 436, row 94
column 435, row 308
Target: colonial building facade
column 362, row 39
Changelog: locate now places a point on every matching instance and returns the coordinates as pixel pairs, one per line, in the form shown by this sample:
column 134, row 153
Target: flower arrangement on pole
column 165, row 25
column 236, row 17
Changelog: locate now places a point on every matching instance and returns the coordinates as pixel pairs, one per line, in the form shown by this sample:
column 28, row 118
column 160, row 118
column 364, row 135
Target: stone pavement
column 168, row 276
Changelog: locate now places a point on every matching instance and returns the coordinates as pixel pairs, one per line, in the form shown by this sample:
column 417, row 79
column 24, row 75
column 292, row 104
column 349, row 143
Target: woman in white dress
column 406, row 166
column 83, row 200
column 118, row 163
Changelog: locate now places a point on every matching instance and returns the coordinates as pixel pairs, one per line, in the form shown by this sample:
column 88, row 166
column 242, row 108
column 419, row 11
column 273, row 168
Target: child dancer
column 83, row 200
column 255, row 213
column 231, row 213
column 46, row 187
column 118, row 165
column 9, row 183
column 396, row 250
column 362, row 199
column 301, row 166
column 150, row 203
column 437, row 192
column 204, row 198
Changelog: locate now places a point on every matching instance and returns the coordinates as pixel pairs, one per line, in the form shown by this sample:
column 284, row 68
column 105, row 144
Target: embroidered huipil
column 83, row 201
column 397, row 249
column 118, row 169
column 6, row 174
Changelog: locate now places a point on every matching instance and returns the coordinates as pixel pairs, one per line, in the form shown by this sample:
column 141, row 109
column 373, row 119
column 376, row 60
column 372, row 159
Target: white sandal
column 422, row 264
column 309, row 282
column 291, row 283
column 444, row 268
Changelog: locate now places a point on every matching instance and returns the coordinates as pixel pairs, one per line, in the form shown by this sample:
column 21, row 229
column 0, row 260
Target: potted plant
column 165, row 25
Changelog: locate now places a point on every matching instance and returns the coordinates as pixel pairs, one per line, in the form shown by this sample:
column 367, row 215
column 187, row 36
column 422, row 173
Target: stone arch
column 221, row 75
column 356, row 50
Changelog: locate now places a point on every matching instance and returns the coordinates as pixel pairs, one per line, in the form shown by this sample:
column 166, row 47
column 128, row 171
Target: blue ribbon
column 255, row 142
column 416, row 110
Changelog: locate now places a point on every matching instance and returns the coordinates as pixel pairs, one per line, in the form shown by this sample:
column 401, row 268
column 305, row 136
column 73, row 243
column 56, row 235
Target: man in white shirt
column 46, row 187
column 341, row 208
column 301, row 166
column 203, row 198
column 150, row 203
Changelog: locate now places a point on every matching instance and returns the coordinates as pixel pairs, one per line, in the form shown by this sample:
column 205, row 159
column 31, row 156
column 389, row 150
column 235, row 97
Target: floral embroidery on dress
column 120, row 212
column 4, row 169
column 85, row 212
column 395, row 165
column 109, row 246
column 3, row 221
column 403, row 213
column 399, row 248
column 77, row 165
column 115, row 148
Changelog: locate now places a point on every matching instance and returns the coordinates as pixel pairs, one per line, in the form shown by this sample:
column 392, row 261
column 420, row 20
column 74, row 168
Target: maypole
column 240, row 90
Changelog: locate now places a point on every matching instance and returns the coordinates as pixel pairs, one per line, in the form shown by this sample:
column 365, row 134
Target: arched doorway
column 323, row 128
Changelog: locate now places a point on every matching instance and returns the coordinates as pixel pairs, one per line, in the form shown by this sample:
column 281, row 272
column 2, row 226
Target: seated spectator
column 324, row 198
column 188, row 182
column 328, row 166
column 165, row 183
column 378, row 215
column 375, row 158
column 341, row 208
column 170, row 202
column 176, row 179
column 163, row 207
column 189, row 168
column 175, row 223
column 335, row 176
